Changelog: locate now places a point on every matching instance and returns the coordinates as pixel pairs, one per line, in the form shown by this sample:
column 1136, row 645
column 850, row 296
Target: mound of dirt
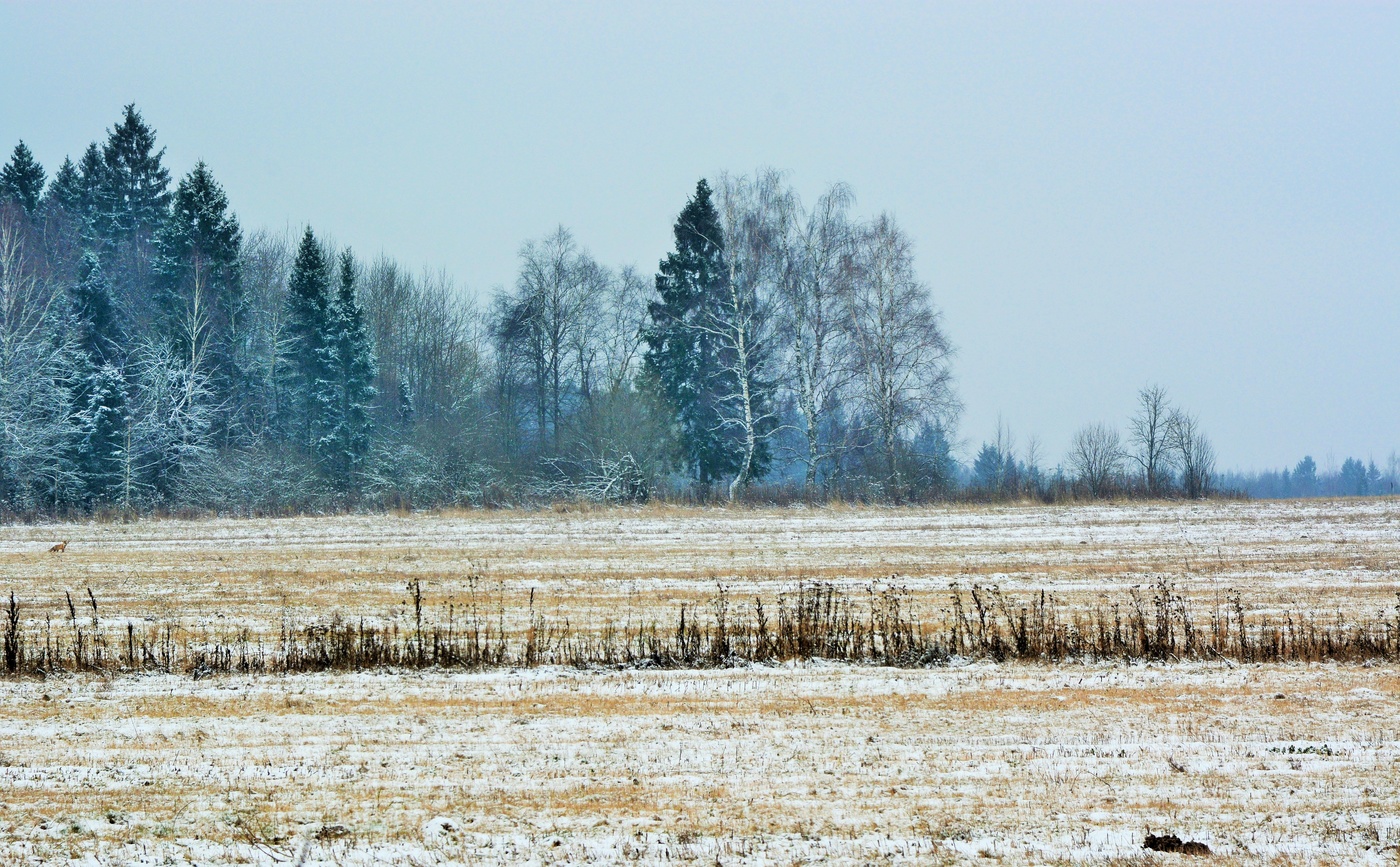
column 1173, row 843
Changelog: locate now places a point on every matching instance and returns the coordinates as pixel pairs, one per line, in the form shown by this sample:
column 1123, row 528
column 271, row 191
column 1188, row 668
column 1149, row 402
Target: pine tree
column 348, row 391
column 22, row 179
column 681, row 355
column 308, row 316
column 198, row 279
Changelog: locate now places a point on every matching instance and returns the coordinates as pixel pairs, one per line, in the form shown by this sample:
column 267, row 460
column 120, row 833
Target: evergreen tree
column 103, row 423
column 65, row 191
column 97, row 385
column 990, row 470
column 92, row 172
column 346, row 395
column 1305, row 481
column 99, row 332
column 682, row 356
column 131, row 201
column 133, row 191
column 22, row 179
column 308, row 315
column 198, row 280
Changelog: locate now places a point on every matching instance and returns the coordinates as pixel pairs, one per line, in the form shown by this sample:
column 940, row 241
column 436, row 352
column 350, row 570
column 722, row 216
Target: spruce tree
column 683, row 357
column 133, row 192
column 97, row 384
column 93, row 172
column 198, row 279
column 103, row 423
column 65, row 191
column 131, row 201
column 308, row 317
column 99, row 332
column 348, row 391
column 22, row 179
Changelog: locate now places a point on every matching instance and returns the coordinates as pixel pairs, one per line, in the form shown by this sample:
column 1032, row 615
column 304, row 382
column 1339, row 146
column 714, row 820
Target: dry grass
column 598, row 565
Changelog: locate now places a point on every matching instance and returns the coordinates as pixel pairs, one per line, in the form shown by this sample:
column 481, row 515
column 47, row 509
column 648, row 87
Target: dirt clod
column 1173, row 843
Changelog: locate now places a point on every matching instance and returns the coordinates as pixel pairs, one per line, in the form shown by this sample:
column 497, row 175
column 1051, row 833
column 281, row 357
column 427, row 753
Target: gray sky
column 1205, row 196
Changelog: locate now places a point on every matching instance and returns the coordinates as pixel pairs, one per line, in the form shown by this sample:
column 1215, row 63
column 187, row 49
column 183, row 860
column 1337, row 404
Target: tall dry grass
column 817, row 620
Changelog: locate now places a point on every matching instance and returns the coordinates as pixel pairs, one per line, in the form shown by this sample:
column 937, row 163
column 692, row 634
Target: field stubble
column 807, row 761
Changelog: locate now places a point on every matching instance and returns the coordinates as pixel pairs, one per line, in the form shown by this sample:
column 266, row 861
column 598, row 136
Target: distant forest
column 154, row 356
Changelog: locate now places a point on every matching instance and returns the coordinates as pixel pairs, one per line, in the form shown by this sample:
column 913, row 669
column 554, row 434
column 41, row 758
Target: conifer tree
column 681, row 354
column 63, row 208
column 103, row 423
column 308, row 314
column 22, row 179
column 99, row 332
column 71, row 199
column 65, row 189
column 98, row 387
column 348, row 391
column 198, row 280
column 133, row 192
column 92, row 171
column 131, row 201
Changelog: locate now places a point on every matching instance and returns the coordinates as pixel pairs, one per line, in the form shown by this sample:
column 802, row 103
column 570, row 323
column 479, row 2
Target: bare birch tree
column 36, row 424
column 266, row 263
column 750, row 216
column 815, row 266
column 623, row 316
column 898, row 352
column 551, row 292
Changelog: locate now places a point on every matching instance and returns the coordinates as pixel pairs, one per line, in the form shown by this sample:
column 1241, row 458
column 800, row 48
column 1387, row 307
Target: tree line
column 1165, row 453
column 1352, row 478
column 155, row 356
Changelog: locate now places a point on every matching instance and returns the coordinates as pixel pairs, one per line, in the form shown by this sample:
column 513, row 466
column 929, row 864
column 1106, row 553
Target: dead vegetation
column 817, row 620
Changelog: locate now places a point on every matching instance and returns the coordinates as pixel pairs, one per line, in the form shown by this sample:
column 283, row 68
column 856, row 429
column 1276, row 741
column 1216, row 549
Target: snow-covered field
column 786, row 764
column 781, row 765
column 596, row 566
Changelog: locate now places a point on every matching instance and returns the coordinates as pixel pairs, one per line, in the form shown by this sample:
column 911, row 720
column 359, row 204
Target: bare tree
column 427, row 337
column 1195, row 453
column 551, row 298
column 1032, row 461
column 1096, row 456
column 899, row 355
column 815, row 266
column 1150, row 435
column 266, row 263
column 622, row 317
column 750, row 215
column 36, row 424
column 167, row 429
column 588, row 336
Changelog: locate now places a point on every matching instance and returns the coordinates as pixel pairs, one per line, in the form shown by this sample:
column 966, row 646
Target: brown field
column 793, row 763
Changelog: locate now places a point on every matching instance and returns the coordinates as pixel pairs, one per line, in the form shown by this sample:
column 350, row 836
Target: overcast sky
column 1205, row 196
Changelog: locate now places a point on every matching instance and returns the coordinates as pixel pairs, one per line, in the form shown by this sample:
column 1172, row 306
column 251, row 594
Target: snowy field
column 618, row 565
column 785, row 764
